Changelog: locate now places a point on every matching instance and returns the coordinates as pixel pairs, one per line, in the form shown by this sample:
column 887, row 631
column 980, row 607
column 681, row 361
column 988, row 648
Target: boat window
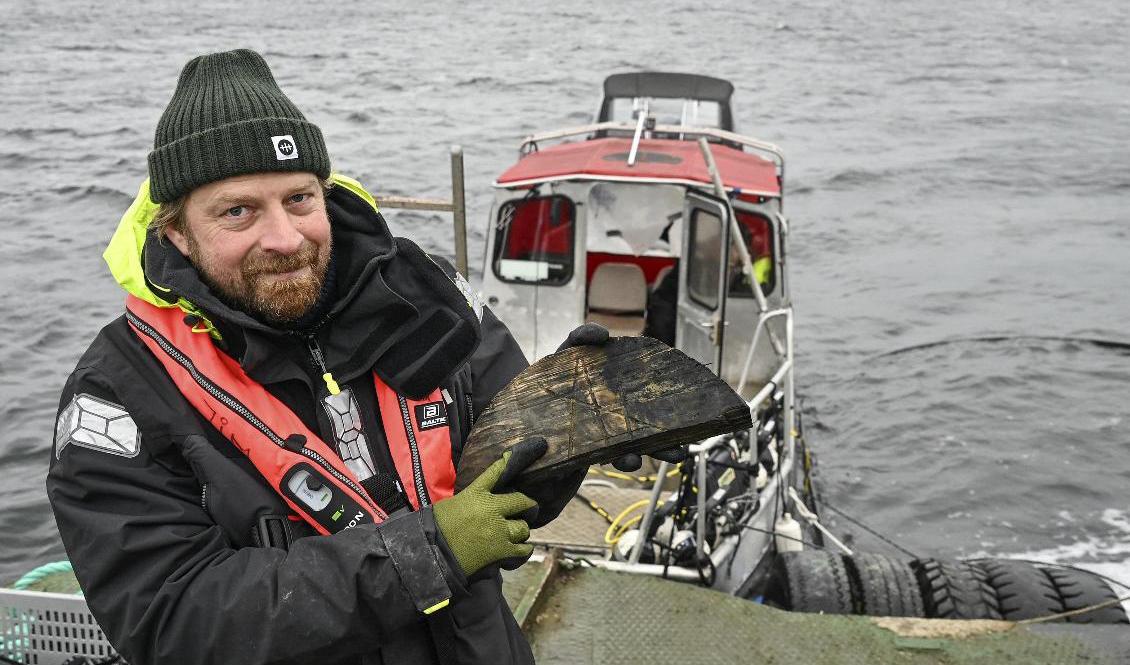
column 705, row 264
column 534, row 240
column 628, row 218
column 688, row 112
column 758, row 235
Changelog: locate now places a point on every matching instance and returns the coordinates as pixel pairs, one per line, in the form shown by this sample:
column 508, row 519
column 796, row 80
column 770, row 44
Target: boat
column 658, row 218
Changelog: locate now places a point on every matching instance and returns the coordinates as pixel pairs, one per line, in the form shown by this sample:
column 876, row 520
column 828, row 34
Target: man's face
column 262, row 241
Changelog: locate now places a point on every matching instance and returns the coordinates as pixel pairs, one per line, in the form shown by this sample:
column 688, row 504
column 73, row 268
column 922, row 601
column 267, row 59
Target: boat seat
column 618, row 298
column 660, row 276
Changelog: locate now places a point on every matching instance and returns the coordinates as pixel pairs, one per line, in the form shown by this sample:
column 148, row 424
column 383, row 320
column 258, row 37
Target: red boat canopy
column 658, row 160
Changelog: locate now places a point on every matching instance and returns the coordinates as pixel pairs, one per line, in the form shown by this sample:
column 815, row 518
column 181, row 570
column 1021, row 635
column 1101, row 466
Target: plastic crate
column 49, row 628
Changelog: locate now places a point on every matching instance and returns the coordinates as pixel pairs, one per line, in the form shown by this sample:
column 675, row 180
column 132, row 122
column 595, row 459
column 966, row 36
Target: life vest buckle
column 273, row 531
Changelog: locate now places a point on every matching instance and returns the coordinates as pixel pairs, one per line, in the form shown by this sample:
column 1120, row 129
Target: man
column 663, row 299
column 256, row 463
column 755, row 236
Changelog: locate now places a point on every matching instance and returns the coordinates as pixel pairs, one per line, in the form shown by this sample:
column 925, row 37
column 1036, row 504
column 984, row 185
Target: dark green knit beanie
column 228, row 117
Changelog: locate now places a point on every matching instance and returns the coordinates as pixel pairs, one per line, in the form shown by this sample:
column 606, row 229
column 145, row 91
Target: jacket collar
column 394, row 308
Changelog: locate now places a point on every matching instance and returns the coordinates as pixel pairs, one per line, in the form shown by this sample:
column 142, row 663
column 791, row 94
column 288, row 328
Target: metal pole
column 459, row 209
column 736, row 237
column 700, row 530
column 658, row 570
column 638, row 135
column 769, row 388
column 649, row 512
column 735, row 230
column 761, row 324
column 790, row 394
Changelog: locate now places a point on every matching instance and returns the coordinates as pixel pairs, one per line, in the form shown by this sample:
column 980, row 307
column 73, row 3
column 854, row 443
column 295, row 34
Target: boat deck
column 580, row 528
column 586, row 616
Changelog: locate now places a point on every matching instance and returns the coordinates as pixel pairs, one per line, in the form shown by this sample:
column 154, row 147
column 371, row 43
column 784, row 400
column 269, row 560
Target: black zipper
column 320, row 364
column 316, row 354
column 417, row 468
column 235, row 405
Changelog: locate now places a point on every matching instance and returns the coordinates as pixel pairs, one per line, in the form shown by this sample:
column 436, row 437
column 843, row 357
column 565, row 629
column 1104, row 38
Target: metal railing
column 457, row 206
column 783, row 373
column 775, row 154
column 762, row 322
column 782, row 377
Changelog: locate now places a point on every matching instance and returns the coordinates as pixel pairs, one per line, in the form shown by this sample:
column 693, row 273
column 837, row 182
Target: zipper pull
column 316, row 352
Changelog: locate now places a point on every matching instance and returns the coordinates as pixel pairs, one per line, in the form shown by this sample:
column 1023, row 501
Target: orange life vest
column 303, row 469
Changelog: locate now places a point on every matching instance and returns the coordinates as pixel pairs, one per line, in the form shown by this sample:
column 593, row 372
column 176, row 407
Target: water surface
column 956, row 171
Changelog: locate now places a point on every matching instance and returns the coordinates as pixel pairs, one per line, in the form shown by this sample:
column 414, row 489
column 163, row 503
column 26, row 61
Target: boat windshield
column 627, row 218
column 666, row 111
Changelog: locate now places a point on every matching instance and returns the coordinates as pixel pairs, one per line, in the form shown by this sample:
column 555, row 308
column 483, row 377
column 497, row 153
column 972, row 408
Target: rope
column 596, row 508
column 577, row 560
column 616, row 528
column 781, row 535
column 1081, row 610
column 871, row 531
column 643, row 480
column 41, row 572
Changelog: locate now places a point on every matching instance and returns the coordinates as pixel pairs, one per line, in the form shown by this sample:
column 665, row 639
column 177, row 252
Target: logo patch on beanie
column 285, row 147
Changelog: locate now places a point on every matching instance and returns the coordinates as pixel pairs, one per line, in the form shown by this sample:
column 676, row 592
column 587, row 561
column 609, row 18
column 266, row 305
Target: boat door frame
column 695, row 319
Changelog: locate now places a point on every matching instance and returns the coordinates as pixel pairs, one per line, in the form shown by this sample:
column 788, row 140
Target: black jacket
column 166, row 536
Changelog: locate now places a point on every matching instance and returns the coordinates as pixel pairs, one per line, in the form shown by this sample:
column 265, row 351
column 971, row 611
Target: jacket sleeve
column 495, row 363
column 167, row 586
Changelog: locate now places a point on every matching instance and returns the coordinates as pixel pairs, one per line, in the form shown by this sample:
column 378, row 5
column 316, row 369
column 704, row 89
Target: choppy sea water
column 956, row 172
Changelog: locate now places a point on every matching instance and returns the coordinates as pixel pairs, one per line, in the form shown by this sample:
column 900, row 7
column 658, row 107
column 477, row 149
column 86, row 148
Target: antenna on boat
column 639, row 132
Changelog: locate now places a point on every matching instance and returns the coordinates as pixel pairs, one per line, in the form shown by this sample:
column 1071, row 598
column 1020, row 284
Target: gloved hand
column 589, row 334
column 518, row 459
column 477, row 524
column 551, row 494
column 633, row 462
column 594, row 334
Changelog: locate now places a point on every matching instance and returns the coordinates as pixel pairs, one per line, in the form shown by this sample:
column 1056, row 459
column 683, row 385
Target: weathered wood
column 593, row 404
column 413, row 203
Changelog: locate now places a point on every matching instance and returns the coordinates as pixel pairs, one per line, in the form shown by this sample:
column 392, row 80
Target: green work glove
column 476, row 525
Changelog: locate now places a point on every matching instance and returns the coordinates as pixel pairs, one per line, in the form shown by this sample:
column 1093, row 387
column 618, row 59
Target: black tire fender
column 1024, row 590
column 955, row 590
column 810, row 581
column 1078, row 589
column 886, row 587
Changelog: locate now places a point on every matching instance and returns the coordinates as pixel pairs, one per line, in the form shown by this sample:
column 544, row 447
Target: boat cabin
column 627, row 222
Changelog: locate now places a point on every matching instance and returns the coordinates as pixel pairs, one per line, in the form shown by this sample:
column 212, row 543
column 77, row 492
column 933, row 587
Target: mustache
column 273, row 262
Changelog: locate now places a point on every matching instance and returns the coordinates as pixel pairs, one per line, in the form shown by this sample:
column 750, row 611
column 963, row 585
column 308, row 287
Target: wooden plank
column 412, row 203
column 593, row 404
